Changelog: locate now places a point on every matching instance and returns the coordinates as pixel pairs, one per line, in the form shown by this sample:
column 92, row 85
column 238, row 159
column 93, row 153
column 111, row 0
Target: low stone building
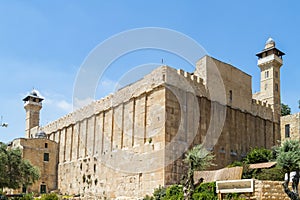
column 42, row 153
column 290, row 127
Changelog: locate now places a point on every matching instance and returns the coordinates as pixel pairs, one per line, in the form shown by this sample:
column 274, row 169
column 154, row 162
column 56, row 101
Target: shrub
column 205, row 191
column 27, row 197
column 159, row 193
column 258, row 155
column 51, row 196
column 236, row 164
column 273, row 174
column 174, row 192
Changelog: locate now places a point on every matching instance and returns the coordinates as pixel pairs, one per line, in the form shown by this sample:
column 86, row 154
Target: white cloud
column 64, row 105
column 58, row 101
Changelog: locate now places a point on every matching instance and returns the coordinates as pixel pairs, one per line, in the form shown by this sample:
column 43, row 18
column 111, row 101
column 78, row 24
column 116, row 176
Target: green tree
column 285, row 109
column 198, row 158
column 288, row 157
column 14, row 171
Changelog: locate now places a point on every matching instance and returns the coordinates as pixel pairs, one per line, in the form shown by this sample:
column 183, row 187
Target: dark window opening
column 287, row 130
column 24, row 189
column 266, row 74
column 46, row 145
column 46, row 156
column 43, row 189
column 276, row 87
column 230, row 96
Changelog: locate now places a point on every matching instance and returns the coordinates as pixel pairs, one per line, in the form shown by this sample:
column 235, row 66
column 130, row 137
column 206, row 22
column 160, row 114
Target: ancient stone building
column 134, row 140
column 290, row 127
column 37, row 148
column 42, row 153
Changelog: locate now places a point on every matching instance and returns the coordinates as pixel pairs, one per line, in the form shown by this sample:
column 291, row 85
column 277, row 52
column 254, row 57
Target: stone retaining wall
column 269, row 190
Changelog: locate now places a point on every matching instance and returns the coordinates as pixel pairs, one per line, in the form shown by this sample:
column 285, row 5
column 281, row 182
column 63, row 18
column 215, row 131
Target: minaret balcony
column 269, row 59
column 33, row 103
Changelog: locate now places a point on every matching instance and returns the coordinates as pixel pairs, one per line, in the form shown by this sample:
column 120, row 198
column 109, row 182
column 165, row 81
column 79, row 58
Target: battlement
column 190, row 76
column 258, row 102
column 262, row 109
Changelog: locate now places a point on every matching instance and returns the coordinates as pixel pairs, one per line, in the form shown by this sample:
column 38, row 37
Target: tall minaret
column 32, row 105
column 269, row 62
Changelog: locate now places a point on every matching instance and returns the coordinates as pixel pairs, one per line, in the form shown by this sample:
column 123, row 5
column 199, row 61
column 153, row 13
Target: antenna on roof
column 2, row 124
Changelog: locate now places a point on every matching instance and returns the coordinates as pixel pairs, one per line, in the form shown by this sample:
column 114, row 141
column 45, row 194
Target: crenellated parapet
column 185, row 81
column 262, row 109
column 190, row 77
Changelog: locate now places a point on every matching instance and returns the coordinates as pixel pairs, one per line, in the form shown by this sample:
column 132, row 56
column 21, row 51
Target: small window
column 287, row 130
column 46, row 145
column 24, row 189
column 43, row 189
column 46, row 156
column 266, row 86
column 266, row 74
column 276, row 74
column 230, row 96
column 276, row 87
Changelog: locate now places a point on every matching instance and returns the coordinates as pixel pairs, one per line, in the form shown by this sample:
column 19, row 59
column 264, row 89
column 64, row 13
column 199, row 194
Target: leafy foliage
column 285, row 109
column 174, row 192
column 273, row 174
column 14, row 171
column 236, row 164
column 288, row 155
column 159, row 193
column 51, row 196
column 198, row 158
column 205, row 191
column 258, row 155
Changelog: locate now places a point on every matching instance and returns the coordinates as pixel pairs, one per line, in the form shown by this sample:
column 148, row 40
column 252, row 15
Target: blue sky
column 44, row 43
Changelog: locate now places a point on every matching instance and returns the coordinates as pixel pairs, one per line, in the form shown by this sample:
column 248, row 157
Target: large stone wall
column 131, row 142
column 109, row 153
column 241, row 132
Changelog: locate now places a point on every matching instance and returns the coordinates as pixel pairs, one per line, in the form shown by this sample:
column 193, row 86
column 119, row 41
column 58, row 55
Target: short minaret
column 32, row 105
column 269, row 62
